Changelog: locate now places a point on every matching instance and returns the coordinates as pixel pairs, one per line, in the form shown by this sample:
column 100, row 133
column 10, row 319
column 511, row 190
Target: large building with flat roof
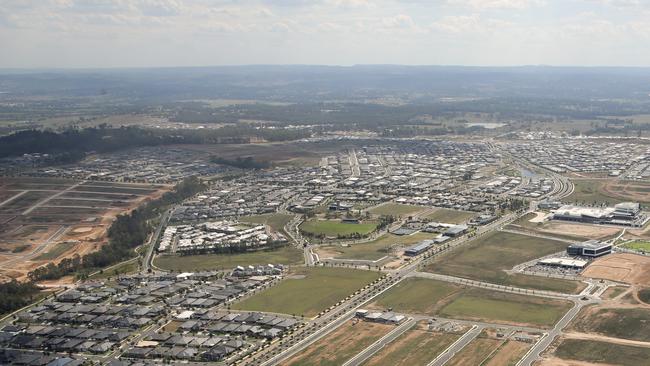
column 589, row 248
column 624, row 214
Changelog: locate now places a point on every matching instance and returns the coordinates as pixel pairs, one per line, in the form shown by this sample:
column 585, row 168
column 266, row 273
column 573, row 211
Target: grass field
column 395, row 209
column 415, row 347
column 122, row 269
column 591, row 192
column 619, row 323
column 437, row 298
column 450, row 216
column 487, row 257
column 55, row 251
column 644, row 295
column 310, row 291
column 377, row 248
column 276, row 221
column 475, row 352
column 340, row 345
column 508, row 354
column 641, row 246
column 602, row 352
column 284, row 255
column 336, row 227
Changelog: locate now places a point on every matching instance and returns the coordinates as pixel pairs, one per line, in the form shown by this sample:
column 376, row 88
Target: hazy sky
column 107, row 33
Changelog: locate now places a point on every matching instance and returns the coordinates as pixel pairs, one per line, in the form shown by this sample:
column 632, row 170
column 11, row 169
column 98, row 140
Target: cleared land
column 450, row 216
column 627, row 323
column 340, row 345
column 602, row 352
column 308, row 291
column 55, row 251
column 413, row 348
column 508, row 353
column 336, row 227
column 395, row 209
column 630, row 268
column 608, row 191
column 475, row 352
column 487, row 257
column 276, row 221
column 563, row 230
column 181, row 263
column 437, row 298
column 375, row 249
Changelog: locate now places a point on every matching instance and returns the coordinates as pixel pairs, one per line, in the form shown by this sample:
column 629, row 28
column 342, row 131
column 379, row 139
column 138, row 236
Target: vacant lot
column 276, row 221
column 628, row 323
column 641, row 246
column 450, row 216
column 375, row 249
column 623, row 267
column 508, row 353
column 602, row 352
column 395, row 209
column 591, row 191
column 437, row 298
column 413, row 348
column 341, row 345
column 309, row 291
column 284, row 255
column 55, row 251
column 336, row 227
column 475, row 352
column 487, row 257
column 564, row 230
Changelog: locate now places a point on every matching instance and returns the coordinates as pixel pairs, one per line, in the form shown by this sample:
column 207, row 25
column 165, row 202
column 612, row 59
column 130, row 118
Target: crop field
column 487, row 257
column 340, row 345
column 395, row 209
column 450, row 216
column 336, row 227
column 602, row 352
column 54, row 218
column 415, row 347
column 437, row 298
column 285, row 255
column 627, row 323
column 308, row 291
column 374, row 249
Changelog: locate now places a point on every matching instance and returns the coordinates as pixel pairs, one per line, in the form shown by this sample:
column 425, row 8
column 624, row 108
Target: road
column 164, row 218
column 451, row 351
column 362, row 356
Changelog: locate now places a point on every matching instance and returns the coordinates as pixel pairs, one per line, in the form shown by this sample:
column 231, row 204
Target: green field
column 55, row 251
column 122, row 269
column 644, row 295
column 336, row 227
column 415, row 347
column 450, row 216
column 276, row 221
column 310, row 291
column 437, row 298
column 395, row 209
column 487, row 257
column 283, row 255
column 617, row 323
column 641, row 246
column 602, row 352
column 591, row 192
column 379, row 247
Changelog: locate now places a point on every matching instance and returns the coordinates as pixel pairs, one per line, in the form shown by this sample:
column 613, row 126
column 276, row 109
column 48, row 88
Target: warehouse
column 563, row 263
column 419, row 248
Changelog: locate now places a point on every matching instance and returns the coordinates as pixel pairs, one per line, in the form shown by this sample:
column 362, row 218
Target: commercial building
column 589, row 248
column 624, row 214
column 564, row 263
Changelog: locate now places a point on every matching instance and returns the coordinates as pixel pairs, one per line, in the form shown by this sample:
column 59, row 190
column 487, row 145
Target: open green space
column 283, row 255
column 644, row 295
column 336, row 227
column 640, row 246
column 309, row 291
column 590, row 191
column 415, row 347
column 487, row 257
column 602, row 352
column 395, row 209
column 438, row 298
column 379, row 247
column 120, row 269
column 276, row 221
column 55, row 251
column 618, row 323
column 450, row 216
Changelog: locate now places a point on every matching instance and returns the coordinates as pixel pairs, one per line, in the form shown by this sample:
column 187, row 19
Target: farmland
column 334, row 228
column 487, row 257
column 285, row 255
column 308, row 291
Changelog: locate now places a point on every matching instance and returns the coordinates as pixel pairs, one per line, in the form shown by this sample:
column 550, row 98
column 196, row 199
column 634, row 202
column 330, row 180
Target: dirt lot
column 559, row 362
column 47, row 216
column 622, row 267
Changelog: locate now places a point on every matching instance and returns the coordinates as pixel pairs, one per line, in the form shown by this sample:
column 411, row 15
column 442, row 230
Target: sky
column 152, row 33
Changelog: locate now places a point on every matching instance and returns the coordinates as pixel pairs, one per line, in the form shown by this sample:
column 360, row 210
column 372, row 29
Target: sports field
column 336, row 227
column 182, row 263
column 437, row 298
column 602, row 352
column 415, row 347
column 487, row 257
column 395, row 209
column 450, row 216
column 342, row 344
column 374, row 249
column 309, row 291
